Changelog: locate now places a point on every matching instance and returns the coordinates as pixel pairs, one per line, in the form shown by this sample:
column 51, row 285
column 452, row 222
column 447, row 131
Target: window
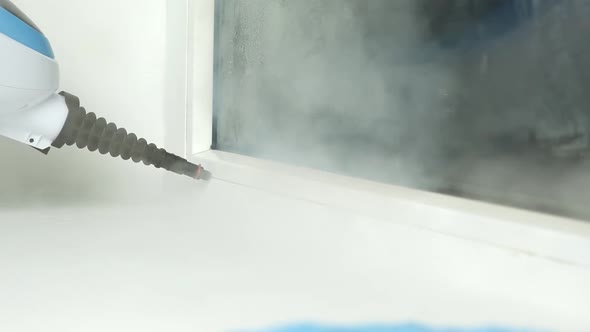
column 279, row 100
column 478, row 99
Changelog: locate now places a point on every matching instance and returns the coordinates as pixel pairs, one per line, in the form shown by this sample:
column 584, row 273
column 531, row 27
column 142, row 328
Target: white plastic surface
column 26, row 77
column 201, row 45
column 30, row 111
column 37, row 126
column 219, row 257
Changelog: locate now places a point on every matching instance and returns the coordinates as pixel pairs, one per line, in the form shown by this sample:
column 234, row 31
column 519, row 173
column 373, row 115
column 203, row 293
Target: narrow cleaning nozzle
column 85, row 130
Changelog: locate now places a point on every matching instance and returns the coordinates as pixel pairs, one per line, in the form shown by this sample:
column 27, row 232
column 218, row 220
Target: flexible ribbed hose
column 85, row 130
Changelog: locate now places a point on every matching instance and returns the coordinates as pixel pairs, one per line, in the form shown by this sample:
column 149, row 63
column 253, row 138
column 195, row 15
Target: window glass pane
column 484, row 99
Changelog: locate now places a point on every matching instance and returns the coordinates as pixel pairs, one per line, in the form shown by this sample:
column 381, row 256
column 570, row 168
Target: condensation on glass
column 483, row 99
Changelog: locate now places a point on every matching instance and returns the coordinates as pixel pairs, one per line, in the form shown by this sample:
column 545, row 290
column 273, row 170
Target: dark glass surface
column 483, row 99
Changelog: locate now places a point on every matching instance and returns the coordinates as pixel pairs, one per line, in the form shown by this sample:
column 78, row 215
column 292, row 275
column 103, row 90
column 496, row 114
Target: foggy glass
column 485, row 100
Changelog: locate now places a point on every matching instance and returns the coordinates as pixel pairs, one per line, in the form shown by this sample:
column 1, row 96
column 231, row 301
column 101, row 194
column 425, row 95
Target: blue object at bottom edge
column 383, row 328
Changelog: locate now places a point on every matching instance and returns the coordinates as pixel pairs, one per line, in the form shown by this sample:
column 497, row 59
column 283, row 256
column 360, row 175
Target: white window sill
column 548, row 237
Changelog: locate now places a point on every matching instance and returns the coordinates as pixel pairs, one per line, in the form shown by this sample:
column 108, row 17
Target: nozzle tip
column 202, row 174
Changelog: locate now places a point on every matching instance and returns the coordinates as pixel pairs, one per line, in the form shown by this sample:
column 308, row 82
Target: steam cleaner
column 33, row 113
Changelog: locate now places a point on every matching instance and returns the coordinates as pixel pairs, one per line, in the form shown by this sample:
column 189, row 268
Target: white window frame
column 525, row 232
